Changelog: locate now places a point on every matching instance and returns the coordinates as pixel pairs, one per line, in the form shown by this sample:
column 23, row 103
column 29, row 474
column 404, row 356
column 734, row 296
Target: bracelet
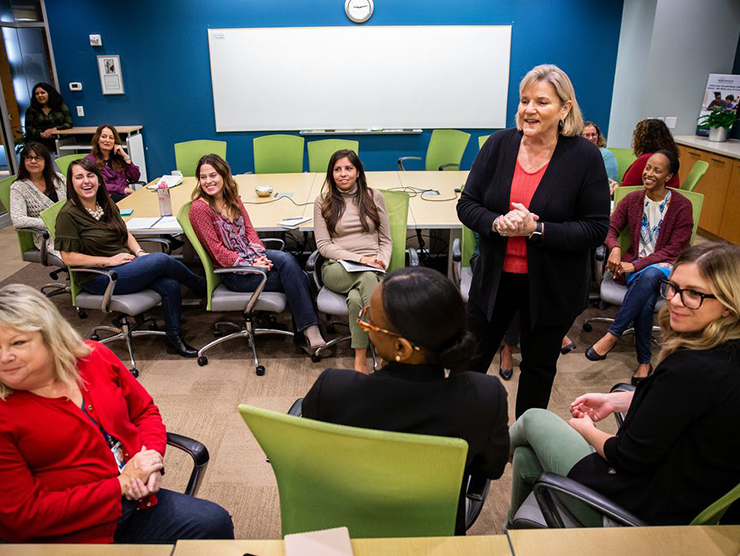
column 139, row 251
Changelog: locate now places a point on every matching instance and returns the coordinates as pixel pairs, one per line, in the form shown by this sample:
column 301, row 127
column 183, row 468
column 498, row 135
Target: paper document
column 294, row 222
column 329, row 542
column 166, row 223
column 351, row 266
column 171, row 181
column 143, row 223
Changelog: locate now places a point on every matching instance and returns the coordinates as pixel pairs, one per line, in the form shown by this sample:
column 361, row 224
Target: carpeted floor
column 201, row 402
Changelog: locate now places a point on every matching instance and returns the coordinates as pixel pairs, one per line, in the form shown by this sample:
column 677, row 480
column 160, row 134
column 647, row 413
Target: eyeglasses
column 691, row 299
column 363, row 321
column 35, row 158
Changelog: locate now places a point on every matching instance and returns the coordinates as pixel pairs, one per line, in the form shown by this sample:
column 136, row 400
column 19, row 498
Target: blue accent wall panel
column 164, row 57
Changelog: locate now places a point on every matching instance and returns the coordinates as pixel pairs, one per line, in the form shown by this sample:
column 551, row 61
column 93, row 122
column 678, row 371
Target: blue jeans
column 287, row 277
column 638, row 307
column 176, row 516
column 158, row 272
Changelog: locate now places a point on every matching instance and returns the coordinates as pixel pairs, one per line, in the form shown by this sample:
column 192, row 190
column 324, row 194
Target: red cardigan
column 633, row 175
column 58, row 478
column 205, row 223
column 674, row 237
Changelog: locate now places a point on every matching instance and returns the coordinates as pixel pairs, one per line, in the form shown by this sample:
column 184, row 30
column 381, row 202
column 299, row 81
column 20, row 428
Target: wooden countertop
column 92, row 130
column 730, row 148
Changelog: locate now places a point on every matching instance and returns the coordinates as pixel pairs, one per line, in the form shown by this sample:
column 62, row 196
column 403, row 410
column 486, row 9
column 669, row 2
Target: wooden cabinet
column 713, row 186
column 730, row 227
column 687, row 156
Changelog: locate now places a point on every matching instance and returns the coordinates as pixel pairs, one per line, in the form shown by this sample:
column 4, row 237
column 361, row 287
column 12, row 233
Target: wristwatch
column 537, row 234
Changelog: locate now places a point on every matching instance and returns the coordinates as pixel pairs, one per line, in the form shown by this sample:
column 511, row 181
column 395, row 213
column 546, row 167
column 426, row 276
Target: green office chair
column 221, row 299
column 463, row 249
column 188, row 154
column 625, row 158
column 29, row 252
column 482, row 141
column 123, row 306
column 697, row 172
column 319, row 152
column 63, row 162
column 334, row 304
column 278, row 154
column 445, row 151
column 376, row 483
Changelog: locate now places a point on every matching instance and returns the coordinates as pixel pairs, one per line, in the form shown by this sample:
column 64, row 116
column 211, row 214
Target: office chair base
column 54, row 288
column 126, row 332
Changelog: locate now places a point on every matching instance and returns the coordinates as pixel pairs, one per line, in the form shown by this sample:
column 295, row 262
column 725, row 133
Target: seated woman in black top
column 678, row 450
column 416, row 320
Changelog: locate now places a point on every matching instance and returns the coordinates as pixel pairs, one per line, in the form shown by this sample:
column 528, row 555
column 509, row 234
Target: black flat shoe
column 506, row 374
column 177, row 345
column 591, row 354
column 635, row 380
column 567, row 349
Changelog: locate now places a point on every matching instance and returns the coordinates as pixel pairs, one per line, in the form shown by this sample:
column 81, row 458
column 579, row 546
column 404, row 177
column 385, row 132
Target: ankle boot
column 176, row 344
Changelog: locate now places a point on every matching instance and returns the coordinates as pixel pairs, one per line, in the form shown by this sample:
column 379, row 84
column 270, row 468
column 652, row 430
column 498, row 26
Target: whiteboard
column 360, row 77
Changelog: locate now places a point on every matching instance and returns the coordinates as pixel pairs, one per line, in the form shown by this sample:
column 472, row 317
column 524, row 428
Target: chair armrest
column 600, row 256
column 600, row 253
column 621, row 387
column 403, row 159
column 413, row 257
column 313, row 267
column 547, row 483
column 198, row 452
column 161, row 241
column 297, row 408
column 448, row 165
column 457, row 250
column 112, row 279
column 274, row 240
column 247, row 270
column 475, row 497
column 44, row 235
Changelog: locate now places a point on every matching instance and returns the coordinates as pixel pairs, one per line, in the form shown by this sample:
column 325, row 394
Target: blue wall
column 164, row 55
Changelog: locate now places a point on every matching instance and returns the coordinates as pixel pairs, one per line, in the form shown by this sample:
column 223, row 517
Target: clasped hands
column 615, row 265
column 262, row 262
column 375, row 262
column 142, row 474
column 517, row 222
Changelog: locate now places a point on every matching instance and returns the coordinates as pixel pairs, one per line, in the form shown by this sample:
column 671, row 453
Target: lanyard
column 110, row 440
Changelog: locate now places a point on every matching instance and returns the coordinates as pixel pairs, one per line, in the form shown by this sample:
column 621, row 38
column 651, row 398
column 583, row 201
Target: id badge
column 117, row 450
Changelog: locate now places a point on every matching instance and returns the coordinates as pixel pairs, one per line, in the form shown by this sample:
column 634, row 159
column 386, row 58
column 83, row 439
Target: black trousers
column 540, row 345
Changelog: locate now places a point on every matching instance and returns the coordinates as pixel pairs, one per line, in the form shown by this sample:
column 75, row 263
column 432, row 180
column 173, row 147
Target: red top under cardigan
column 58, row 478
column 633, row 175
column 674, row 236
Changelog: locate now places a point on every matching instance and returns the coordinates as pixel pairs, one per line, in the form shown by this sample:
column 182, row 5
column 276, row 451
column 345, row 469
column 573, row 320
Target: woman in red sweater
column 650, row 136
column 81, row 441
column 660, row 222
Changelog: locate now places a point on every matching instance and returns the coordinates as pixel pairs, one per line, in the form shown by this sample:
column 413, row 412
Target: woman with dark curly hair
column 650, row 136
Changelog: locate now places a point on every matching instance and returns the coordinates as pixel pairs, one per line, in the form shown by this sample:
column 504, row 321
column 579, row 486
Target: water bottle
column 165, row 202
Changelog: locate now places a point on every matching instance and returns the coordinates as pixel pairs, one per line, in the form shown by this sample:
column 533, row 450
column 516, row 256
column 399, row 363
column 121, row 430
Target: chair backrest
column 625, row 157
column 63, row 162
column 25, row 239
column 376, row 483
column 713, row 514
column 278, row 154
column 319, row 152
column 212, row 279
column 446, row 146
column 468, row 242
column 188, row 154
column 697, row 202
column 482, row 141
column 49, row 216
column 697, row 171
column 397, row 203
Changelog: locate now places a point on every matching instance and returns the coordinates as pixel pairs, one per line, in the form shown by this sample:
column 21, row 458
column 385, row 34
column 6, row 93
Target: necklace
column 96, row 213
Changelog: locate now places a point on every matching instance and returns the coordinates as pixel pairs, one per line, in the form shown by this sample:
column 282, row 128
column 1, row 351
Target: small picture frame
column 111, row 77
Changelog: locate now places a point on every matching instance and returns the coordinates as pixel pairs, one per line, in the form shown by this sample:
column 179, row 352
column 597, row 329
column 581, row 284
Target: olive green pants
column 359, row 287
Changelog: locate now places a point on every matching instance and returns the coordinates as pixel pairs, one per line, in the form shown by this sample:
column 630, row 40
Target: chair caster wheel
column 82, row 314
column 315, row 358
column 260, row 370
column 202, row 361
column 134, row 372
column 587, row 327
column 153, row 326
column 94, row 337
column 217, row 333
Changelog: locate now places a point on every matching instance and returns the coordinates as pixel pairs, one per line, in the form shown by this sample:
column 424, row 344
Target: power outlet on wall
column 80, row 111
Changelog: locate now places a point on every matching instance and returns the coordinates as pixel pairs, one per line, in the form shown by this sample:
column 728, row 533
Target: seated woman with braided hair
column 416, row 321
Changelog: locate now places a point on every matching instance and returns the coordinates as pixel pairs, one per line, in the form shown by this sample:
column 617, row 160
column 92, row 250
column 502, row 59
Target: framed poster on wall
column 111, row 78
column 722, row 91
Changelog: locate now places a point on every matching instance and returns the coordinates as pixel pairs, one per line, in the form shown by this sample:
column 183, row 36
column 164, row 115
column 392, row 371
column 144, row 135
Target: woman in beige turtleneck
column 351, row 224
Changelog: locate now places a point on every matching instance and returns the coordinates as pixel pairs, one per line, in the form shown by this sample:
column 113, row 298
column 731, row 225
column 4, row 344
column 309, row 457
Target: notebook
column 329, row 542
column 170, row 180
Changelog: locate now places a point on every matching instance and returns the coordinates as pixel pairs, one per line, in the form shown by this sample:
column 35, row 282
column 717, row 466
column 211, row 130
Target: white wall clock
column 359, row 11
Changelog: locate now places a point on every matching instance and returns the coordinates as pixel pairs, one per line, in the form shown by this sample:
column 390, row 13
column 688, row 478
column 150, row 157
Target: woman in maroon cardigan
column 81, row 441
column 660, row 222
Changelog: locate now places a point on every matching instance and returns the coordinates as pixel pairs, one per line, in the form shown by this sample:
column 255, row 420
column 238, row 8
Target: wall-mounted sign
column 111, row 78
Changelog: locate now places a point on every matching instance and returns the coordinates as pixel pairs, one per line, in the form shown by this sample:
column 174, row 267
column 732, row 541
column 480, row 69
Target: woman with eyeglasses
column 678, row 450
column 660, row 224
column 416, row 321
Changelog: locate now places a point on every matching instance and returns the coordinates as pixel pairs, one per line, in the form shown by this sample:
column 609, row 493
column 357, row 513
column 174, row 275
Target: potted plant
column 718, row 122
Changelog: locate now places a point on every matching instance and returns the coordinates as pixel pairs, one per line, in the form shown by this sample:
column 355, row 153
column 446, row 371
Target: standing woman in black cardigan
column 538, row 196
column 678, row 450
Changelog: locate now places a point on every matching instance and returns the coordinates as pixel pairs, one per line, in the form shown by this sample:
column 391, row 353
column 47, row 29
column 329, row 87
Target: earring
column 398, row 358
column 561, row 124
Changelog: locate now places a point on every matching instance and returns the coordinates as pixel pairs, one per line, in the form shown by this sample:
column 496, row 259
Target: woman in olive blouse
column 46, row 115
column 91, row 232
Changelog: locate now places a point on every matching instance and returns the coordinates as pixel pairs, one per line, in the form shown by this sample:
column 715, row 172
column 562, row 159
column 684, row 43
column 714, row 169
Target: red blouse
column 58, row 477
column 633, row 175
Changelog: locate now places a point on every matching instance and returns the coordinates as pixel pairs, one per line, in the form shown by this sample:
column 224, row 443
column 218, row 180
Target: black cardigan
column 419, row 399
column 572, row 200
column 678, row 450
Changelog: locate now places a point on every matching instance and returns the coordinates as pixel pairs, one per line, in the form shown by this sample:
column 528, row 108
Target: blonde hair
column 719, row 265
column 28, row 310
column 573, row 123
